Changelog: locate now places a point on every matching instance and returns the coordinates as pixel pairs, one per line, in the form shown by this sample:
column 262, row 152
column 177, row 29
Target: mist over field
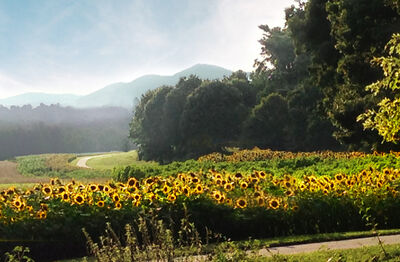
column 198, row 129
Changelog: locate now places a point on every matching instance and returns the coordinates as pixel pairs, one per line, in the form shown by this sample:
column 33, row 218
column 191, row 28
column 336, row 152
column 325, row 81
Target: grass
column 373, row 253
column 111, row 160
column 22, row 186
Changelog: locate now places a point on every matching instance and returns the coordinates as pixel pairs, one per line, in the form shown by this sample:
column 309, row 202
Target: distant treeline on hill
column 55, row 129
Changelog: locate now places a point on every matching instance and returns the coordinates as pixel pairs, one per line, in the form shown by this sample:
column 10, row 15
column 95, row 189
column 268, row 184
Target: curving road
column 82, row 161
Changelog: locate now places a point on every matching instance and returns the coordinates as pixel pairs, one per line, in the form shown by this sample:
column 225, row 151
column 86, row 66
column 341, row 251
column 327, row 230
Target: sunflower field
column 238, row 205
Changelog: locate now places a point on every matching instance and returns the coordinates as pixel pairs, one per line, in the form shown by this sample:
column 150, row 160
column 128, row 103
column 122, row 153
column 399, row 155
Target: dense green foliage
column 305, row 94
column 193, row 118
column 341, row 37
column 386, row 120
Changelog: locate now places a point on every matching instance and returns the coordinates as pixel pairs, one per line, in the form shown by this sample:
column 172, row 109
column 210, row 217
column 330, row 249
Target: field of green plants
column 56, row 165
column 249, row 194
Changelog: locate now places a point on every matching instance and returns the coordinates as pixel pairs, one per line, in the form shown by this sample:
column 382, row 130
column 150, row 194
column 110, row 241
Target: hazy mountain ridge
column 117, row 94
column 35, row 99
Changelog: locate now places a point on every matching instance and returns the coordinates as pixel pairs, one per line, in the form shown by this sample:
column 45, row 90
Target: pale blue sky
column 79, row 46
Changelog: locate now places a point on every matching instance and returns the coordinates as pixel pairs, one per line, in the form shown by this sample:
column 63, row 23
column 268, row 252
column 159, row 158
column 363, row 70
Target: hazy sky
column 79, row 46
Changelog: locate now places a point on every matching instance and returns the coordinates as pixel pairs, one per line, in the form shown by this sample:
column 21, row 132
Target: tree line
column 55, row 129
column 306, row 93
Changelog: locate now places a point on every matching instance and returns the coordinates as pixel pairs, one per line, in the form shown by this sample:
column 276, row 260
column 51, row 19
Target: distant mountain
column 35, row 99
column 118, row 94
column 124, row 94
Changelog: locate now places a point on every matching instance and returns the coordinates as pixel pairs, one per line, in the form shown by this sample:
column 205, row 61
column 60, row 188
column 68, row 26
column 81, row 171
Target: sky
column 80, row 46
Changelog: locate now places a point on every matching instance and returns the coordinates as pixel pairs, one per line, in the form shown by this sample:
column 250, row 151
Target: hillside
column 117, row 94
column 124, row 94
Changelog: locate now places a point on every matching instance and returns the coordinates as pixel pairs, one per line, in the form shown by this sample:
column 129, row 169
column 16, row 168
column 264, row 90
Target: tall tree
column 361, row 28
column 386, row 120
column 212, row 117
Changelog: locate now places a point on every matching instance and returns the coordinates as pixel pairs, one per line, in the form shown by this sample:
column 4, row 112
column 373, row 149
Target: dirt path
column 82, row 161
column 10, row 175
column 342, row 244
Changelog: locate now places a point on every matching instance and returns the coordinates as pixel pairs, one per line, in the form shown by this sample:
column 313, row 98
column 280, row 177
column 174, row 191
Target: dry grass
column 10, row 175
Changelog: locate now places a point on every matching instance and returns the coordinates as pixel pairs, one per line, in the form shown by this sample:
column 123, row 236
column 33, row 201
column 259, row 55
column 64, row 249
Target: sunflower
column 42, row 214
column 136, row 197
column 287, row 184
column 186, row 191
column 166, row 189
column 228, row 187
column 17, row 202
column 115, row 197
column 100, row 203
column 101, row 187
column 262, row 175
column 199, row 189
column 106, row 189
column 241, row 203
column 244, row 185
column 61, row 189
column 238, row 176
column 29, row 208
column 387, row 171
column 339, row 177
column 47, row 190
column 273, row 203
column 217, row 195
column 133, row 189
column 195, row 180
column 289, row 192
column 218, row 181
column 171, row 197
column 131, row 182
column 79, row 199
column 70, row 187
column 10, row 191
column 93, row 187
column 65, row 196
column 121, row 185
column 149, row 181
column 118, row 205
